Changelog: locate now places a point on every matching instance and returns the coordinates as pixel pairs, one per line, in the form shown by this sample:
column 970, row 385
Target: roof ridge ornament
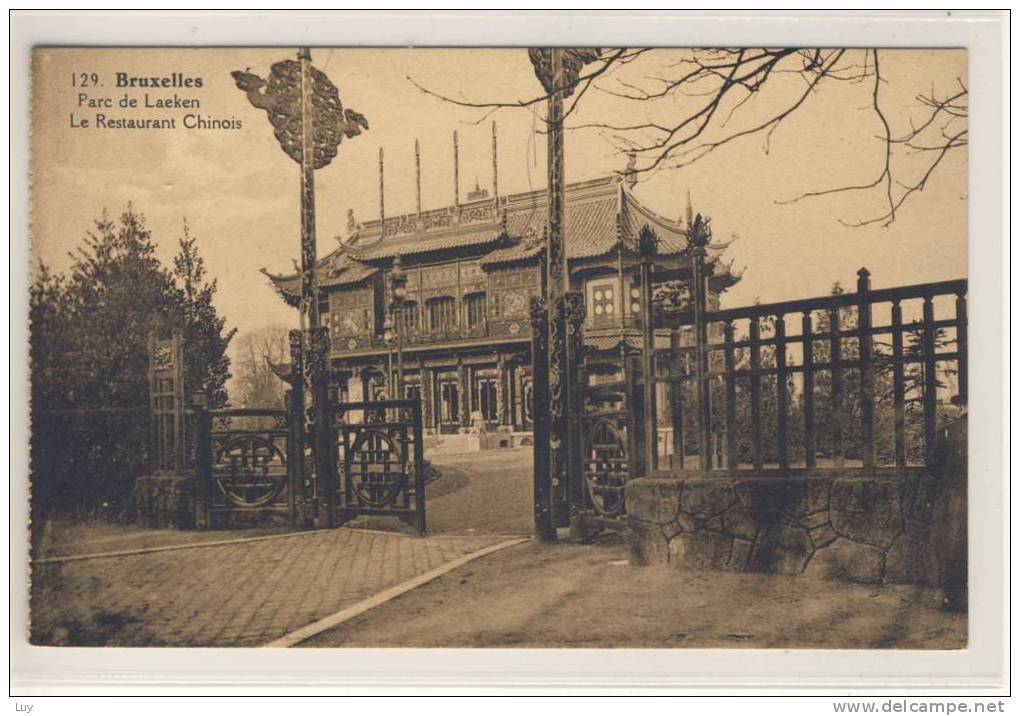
column 647, row 241
column 630, row 173
column 699, row 232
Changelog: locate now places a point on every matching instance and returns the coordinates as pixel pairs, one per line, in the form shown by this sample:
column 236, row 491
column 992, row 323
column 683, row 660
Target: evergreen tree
column 89, row 358
column 206, row 362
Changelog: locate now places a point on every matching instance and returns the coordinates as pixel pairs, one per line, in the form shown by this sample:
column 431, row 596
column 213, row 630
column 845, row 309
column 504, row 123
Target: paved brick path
column 242, row 594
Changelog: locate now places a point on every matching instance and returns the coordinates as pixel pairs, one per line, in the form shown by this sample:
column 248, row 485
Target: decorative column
column 462, row 389
column 501, row 390
column 425, row 384
column 676, row 403
column 366, row 387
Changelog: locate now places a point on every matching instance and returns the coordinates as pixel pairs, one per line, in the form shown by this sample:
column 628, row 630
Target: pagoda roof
column 601, row 215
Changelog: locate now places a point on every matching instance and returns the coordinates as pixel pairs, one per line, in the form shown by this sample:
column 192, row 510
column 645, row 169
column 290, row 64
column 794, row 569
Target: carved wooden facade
column 463, row 326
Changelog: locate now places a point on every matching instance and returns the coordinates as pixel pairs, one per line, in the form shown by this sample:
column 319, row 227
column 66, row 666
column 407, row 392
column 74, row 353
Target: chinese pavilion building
column 462, row 324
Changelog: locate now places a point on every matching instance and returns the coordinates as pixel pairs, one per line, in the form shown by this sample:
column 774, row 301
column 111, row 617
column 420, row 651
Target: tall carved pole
column 417, row 180
column 545, row 528
column 309, row 122
column 648, row 246
column 699, row 233
column 558, row 285
column 558, row 70
column 316, row 339
column 309, row 294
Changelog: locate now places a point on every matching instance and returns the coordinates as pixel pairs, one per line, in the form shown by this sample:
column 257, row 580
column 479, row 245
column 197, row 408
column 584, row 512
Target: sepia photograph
column 499, row 341
column 533, row 347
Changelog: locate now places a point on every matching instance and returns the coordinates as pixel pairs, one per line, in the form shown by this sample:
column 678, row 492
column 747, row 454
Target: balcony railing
column 500, row 329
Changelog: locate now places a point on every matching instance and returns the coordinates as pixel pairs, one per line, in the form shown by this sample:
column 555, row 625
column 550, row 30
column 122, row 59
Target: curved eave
column 280, row 370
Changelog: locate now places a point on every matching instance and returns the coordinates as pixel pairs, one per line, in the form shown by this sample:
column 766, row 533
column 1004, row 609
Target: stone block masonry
column 909, row 529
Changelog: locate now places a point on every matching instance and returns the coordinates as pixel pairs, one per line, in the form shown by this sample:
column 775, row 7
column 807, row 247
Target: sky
column 240, row 193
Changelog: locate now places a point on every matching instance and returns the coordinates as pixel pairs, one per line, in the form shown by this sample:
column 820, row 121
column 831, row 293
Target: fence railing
column 845, row 381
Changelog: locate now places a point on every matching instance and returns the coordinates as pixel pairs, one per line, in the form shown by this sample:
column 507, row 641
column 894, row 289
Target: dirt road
column 570, row 595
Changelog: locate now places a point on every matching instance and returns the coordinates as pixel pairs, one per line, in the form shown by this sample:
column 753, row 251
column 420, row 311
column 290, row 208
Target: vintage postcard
column 555, row 347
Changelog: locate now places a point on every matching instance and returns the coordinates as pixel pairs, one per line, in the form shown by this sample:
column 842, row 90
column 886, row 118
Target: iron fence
column 850, row 381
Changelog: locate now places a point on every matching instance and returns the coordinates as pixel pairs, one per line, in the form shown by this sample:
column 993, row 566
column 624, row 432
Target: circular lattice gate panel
column 605, row 468
column 250, row 470
column 376, row 468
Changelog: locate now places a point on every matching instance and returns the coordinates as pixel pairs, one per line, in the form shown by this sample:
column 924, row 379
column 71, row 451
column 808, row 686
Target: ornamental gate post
column 296, row 432
column 545, row 530
column 574, row 314
column 322, row 433
column 559, row 378
column 166, row 402
column 700, row 300
column 310, row 122
column 651, row 427
column 864, row 355
column 638, row 460
column 203, row 463
column 558, row 70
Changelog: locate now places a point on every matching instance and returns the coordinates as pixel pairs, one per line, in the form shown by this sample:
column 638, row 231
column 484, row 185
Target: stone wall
column 843, row 527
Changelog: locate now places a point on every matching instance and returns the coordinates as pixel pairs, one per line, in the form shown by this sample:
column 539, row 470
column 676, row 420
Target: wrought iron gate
column 380, row 460
column 245, row 460
column 608, row 454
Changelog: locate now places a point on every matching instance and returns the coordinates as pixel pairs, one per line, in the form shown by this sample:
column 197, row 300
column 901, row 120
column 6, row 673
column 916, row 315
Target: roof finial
column 690, row 210
column 417, row 176
column 456, row 174
column 495, row 168
column 382, row 200
column 353, row 228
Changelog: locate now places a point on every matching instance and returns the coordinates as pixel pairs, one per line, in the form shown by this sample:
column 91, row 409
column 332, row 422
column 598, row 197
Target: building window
column 635, row 300
column 449, row 402
column 603, row 303
column 407, row 316
column 485, row 398
column 474, row 309
column 442, row 313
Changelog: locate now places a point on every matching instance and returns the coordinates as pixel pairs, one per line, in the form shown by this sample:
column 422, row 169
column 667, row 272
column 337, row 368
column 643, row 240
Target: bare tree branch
column 705, row 100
